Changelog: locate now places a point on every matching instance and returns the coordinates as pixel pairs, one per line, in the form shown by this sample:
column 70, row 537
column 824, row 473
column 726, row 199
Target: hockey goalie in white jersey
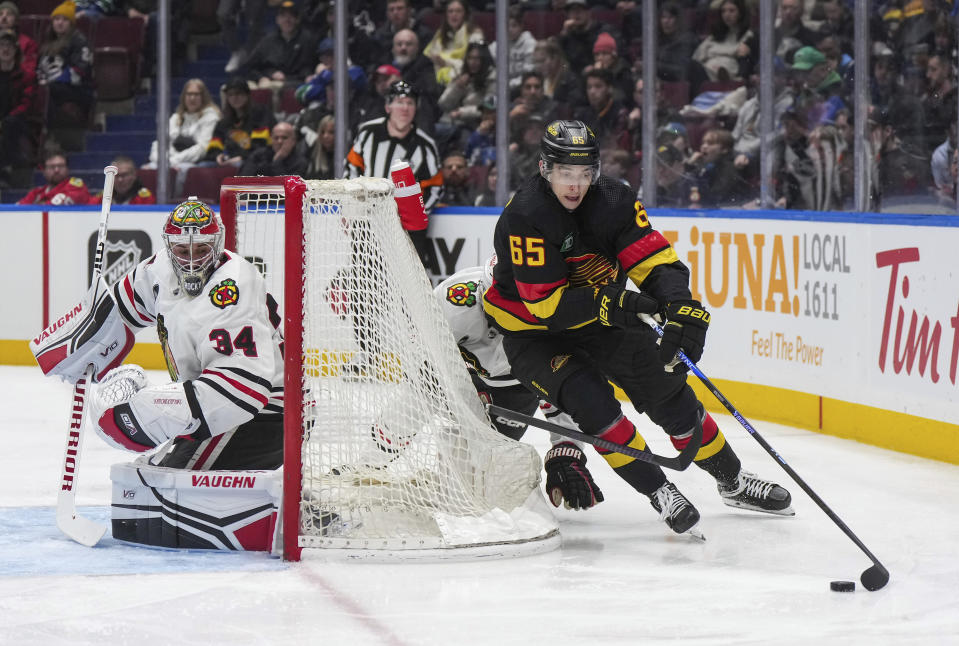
column 568, row 481
column 223, row 409
column 219, row 330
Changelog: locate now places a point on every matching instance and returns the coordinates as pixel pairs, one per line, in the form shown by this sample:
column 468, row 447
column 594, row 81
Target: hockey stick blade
column 80, row 529
column 873, row 577
column 678, row 463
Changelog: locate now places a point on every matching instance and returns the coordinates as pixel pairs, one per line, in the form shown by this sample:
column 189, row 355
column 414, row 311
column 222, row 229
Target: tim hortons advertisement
column 862, row 313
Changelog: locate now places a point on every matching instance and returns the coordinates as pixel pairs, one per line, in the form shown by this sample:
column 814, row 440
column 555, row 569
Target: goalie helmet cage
column 388, row 451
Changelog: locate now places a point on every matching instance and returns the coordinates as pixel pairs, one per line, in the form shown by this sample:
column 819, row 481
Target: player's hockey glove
column 619, row 307
column 685, row 329
column 568, row 480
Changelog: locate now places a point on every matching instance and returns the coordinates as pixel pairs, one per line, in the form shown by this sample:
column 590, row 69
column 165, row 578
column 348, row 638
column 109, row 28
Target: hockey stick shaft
column 678, row 463
column 77, row 527
column 874, row 577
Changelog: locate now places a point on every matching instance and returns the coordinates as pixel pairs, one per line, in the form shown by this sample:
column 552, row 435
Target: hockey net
column 389, row 451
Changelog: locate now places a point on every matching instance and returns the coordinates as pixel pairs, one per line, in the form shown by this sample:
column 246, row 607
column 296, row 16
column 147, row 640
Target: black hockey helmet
column 569, row 142
column 401, row 88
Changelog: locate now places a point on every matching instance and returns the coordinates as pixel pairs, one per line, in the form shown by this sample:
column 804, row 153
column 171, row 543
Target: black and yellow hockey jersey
column 552, row 261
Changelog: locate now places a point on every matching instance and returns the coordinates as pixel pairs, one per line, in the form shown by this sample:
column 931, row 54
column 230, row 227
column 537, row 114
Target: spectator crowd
column 567, row 59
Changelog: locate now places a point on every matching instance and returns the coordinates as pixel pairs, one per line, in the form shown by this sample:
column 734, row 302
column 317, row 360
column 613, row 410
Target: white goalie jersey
column 461, row 297
column 224, row 345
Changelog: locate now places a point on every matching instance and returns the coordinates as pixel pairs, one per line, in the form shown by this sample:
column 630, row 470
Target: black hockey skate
column 749, row 491
column 677, row 512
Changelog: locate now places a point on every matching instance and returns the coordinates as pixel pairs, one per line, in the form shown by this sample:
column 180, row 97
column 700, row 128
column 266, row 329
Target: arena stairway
column 132, row 134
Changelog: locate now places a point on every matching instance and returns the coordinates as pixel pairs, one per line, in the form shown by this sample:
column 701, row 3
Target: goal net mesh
column 396, row 449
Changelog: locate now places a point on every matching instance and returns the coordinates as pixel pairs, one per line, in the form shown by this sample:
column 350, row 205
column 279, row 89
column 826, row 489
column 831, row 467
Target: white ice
column 620, row 576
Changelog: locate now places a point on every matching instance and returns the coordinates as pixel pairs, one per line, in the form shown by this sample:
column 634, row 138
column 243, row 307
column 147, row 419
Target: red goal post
column 394, row 457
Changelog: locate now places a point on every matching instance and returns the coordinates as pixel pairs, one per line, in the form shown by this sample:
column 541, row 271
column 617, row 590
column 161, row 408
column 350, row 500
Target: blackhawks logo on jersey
column 225, row 293
column 462, row 294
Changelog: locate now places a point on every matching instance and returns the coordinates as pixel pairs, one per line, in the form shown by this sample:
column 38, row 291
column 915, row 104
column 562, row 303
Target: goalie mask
column 193, row 235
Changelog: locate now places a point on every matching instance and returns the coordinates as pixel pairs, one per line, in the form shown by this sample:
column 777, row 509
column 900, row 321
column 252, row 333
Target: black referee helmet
column 401, row 88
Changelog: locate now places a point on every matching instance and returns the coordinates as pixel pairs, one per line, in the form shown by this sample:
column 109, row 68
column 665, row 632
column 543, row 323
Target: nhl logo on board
column 119, row 257
column 225, row 293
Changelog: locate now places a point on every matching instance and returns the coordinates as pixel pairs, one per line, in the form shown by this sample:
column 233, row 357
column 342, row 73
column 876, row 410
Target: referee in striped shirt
column 382, row 141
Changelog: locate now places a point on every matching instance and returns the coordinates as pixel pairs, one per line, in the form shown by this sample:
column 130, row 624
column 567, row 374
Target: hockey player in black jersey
column 567, row 242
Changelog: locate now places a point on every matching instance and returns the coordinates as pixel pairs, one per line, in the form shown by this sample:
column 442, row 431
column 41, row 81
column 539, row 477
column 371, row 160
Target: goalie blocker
column 89, row 333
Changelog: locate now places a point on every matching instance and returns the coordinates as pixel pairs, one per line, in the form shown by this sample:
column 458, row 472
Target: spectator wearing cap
column 65, row 66
column 521, row 46
column 604, row 113
column 282, row 157
column 720, row 52
column 606, row 57
column 820, row 94
column 419, row 72
column 286, row 55
column 460, row 101
column 60, row 187
column 395, row 137
column 127, row 187
column 228, row 15
column 399, row 16
column 10, row 20
column 448, row 46
column 19, row 120
column 579, row 33
column 244, row 128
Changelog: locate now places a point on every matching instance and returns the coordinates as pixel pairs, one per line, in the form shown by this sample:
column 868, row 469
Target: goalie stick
column 678, row 463
column 81, row 529
column 874, row 577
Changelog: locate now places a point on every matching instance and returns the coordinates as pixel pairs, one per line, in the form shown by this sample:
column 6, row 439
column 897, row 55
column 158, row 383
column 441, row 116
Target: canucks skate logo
column 462, row 294
column 192, row 214
column 557, row 362
column 225, row 293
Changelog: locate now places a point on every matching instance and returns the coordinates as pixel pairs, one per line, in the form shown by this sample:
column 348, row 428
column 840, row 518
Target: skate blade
column 788, row 511
column 694, row 533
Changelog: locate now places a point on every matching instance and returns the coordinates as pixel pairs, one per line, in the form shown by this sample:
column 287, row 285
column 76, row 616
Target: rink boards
column 843, row 323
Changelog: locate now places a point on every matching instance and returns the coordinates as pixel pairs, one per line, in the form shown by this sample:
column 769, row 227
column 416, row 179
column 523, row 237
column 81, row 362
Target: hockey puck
column 843, row 586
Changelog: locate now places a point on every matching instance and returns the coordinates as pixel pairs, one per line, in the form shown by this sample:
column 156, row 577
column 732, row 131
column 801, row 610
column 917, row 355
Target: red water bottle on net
column 408, row 196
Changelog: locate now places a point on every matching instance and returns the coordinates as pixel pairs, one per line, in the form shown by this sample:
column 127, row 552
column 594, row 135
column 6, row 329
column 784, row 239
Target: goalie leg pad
column 90, row 333
column 218, row 510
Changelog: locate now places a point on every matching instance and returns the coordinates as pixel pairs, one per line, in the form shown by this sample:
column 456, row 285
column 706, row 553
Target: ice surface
column 620, row 577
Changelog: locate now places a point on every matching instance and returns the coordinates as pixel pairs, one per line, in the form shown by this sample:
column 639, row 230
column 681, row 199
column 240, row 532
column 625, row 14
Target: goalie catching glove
column 568, row 480
column 90, row 333
column 685, row 329
column 618, row 307
column 134, row 416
